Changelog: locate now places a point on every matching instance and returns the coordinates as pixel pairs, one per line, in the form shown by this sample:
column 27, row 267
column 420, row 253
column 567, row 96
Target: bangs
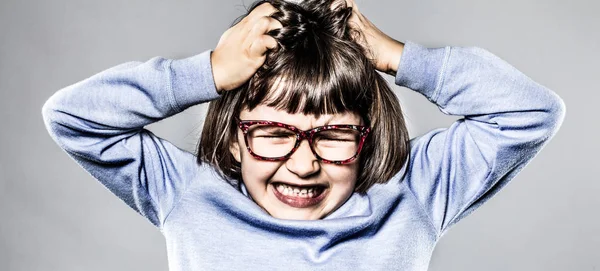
column 314, row 80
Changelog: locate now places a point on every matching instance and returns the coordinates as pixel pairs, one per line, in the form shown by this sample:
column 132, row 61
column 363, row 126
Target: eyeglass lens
column 272, row 141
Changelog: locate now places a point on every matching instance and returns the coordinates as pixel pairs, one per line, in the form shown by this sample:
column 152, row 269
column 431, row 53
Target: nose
column 303, row 162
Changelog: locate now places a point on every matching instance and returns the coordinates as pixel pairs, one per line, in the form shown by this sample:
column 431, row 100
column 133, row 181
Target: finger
column 260, row 46
column 264, row 9
column 262, row 26
column 273, row 24
column 265, row 22
column 269, row 42
column 352, row 4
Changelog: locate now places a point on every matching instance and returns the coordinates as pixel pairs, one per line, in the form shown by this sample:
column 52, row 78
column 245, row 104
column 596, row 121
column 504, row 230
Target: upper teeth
column 297, row 190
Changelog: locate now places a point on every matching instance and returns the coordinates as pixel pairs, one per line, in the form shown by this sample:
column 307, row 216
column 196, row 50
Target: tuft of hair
column 314, row 68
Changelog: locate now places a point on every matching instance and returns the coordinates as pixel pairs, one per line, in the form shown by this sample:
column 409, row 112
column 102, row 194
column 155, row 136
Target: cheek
column 342, row 176
column 256, row 171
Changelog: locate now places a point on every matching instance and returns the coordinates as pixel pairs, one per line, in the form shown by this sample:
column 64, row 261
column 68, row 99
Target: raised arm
column 508, row 118
column 99, row 123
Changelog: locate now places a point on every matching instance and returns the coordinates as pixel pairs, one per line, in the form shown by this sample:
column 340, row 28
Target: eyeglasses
column 275, row 141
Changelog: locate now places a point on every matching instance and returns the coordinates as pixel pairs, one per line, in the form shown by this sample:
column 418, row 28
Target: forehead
column 302, row 121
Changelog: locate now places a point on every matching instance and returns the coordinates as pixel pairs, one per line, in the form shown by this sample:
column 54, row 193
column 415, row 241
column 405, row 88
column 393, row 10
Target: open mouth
column 299, row 197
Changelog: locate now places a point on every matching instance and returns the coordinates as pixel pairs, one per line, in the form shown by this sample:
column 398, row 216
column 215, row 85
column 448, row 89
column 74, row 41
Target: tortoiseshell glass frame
column 244, row 125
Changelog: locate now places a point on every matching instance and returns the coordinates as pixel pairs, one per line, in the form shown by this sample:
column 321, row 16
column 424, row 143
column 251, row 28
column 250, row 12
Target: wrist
column 395, row 55
column 215, row 73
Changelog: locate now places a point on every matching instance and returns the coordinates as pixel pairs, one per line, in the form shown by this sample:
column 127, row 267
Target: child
column 304, row 161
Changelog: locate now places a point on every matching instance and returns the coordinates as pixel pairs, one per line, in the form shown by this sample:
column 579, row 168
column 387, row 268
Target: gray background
column 55, row 216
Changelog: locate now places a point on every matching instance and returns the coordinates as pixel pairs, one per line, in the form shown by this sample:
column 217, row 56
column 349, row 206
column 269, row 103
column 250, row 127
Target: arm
column 508, row 118
column 99, row 123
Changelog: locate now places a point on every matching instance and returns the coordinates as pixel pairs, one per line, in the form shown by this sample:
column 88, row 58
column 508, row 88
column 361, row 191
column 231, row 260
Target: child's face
column 301, row 168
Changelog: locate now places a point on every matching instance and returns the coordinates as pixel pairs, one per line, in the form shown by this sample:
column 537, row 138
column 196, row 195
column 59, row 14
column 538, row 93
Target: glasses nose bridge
column 301, row 136
column 304, row 135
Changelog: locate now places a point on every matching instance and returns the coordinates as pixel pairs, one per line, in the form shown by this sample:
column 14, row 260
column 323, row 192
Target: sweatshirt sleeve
column 99, row 122
column 508, row 119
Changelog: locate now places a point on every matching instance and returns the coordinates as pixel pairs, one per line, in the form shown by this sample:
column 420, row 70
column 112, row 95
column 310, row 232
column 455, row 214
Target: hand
column 241, row 49
column 384, row 51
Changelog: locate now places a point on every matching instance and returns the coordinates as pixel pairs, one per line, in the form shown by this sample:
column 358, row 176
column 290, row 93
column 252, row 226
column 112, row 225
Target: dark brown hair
column 326, row 72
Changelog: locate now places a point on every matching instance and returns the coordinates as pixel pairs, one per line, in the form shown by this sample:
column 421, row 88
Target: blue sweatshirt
column 210, row 225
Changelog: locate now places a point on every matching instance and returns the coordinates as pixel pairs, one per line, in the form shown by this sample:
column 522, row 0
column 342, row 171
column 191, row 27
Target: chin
column 295, row 215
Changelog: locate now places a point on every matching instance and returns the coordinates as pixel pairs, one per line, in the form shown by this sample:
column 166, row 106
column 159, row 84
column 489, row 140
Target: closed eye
column 279, row 135
column 273, row 136
column 336, row 139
